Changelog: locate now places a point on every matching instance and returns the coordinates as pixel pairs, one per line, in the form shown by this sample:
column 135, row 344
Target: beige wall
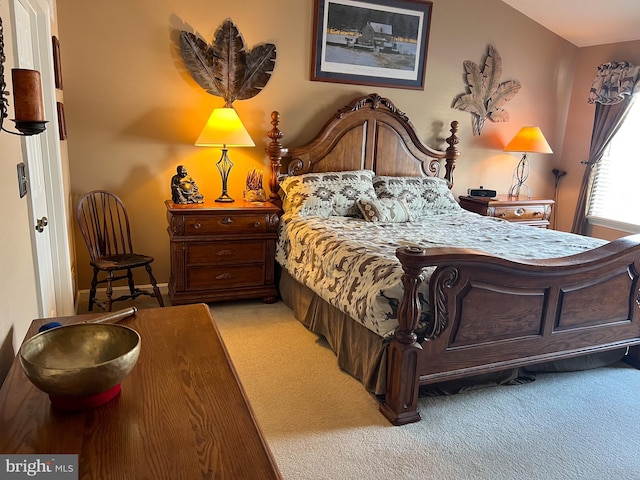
column 133, row 113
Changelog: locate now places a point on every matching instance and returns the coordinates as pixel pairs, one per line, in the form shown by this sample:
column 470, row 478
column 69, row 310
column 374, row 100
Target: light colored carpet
column 321, row 423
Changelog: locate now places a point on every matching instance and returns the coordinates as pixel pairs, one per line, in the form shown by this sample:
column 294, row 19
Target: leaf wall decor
column 226, row 68
column 486, row 97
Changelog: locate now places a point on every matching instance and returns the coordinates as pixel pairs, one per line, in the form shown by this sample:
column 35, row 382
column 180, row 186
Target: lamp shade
column 224, row 129
column 528, row 140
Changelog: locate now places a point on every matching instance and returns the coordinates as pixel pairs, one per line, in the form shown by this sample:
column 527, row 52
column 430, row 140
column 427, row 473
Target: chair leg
column 109, row 301
column 132, row 287
column 92, row 291
column 156, row 290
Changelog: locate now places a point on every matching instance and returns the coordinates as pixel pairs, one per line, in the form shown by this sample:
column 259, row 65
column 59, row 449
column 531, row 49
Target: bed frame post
column 401, row 399
column 452, row 153
column 276, row 151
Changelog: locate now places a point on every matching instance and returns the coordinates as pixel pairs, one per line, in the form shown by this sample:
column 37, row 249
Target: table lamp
column 224, row 129
column 527, row 140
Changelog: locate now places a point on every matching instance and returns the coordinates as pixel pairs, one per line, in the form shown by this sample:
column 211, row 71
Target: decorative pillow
column 391, row 210
column 423, row 195
column 335, row 192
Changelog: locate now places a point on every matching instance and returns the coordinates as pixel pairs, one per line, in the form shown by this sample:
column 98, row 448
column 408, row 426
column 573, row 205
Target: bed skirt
column 359, row 351
column 362, row 353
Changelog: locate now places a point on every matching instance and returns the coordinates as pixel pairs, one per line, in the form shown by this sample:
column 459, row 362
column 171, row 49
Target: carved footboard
column 490, row 314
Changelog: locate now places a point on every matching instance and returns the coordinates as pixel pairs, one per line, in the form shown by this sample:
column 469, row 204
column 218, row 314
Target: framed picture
column 57, row 66
column 62, row 124
column 374, row 42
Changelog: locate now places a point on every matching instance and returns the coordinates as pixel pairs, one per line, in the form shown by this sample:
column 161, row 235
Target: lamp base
column 224, row 198
column 224, row 167
column 514, row 191
column 520, row 175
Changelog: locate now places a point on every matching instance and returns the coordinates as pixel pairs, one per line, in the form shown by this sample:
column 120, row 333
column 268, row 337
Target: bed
column 443, row 309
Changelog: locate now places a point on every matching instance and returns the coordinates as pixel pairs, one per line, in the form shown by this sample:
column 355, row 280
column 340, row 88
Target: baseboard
column 83, row 295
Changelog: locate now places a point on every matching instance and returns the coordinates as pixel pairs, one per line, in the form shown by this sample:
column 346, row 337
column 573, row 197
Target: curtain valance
column 614, row 81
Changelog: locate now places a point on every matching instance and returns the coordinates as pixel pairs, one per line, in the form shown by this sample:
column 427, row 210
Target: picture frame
column 57, row 65
column 382, row 43
column 62, row 123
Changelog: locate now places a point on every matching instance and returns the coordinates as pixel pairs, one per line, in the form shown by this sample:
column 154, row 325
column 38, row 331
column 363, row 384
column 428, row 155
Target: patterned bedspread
column 351, row 263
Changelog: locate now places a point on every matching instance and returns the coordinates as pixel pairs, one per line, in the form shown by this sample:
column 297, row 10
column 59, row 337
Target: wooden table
column 182, row 412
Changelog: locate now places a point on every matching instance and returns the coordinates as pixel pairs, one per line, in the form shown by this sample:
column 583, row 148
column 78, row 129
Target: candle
column 27, row 93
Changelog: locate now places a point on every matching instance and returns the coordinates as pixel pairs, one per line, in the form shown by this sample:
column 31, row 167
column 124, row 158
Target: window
column 614, row 192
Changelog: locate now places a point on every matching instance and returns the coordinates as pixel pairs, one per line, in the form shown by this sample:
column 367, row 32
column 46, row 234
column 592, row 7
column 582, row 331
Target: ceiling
column 585, row 22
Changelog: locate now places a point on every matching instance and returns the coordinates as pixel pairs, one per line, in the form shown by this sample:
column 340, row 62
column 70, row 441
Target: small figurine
column 184, row 188
column 254, row 192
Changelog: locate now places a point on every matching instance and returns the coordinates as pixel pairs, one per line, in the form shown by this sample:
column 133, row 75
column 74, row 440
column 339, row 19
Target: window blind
column 614, row 191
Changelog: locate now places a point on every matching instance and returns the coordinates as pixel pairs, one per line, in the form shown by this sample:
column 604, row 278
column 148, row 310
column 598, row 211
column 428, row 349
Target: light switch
column 22, row 179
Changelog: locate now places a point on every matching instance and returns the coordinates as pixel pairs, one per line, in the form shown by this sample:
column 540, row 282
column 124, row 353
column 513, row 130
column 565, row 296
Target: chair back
column 104, row 224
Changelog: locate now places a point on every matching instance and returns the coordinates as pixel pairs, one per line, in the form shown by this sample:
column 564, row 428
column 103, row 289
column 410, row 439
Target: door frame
column 41, row 15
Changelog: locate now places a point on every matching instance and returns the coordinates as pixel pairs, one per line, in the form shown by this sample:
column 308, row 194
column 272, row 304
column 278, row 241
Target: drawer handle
column 537, row 214
column 502, row 215
column 226, row 221
column 519, row 211
column 226, row 276
column 256, row 224
column 197, row 226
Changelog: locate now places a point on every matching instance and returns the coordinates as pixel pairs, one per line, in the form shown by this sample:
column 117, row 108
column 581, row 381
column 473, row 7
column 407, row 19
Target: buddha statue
column 184, row 188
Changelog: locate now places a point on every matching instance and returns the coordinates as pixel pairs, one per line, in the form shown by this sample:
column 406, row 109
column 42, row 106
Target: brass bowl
column 80, row 360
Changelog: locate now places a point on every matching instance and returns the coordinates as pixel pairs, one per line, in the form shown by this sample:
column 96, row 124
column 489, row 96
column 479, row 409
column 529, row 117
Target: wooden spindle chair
column 104, row 223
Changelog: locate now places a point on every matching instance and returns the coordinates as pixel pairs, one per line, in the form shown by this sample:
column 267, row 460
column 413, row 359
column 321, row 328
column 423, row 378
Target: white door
column 35, row 149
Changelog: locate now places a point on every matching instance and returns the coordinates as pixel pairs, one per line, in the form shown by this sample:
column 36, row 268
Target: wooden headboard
column 369, row 133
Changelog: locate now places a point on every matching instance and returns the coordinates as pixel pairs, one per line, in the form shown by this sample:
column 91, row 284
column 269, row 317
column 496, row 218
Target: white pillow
column 423, row 195
column 330, row 193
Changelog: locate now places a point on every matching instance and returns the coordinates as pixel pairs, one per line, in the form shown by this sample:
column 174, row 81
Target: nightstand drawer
column 520, row 212
column 221, row 224
column 225, row 276
column 225, row 252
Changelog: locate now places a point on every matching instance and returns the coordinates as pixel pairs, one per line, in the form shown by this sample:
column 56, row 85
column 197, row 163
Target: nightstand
column 532, row 211
column 222, row 251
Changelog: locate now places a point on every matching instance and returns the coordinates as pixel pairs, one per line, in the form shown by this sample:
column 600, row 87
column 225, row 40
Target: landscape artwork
column 380, row 43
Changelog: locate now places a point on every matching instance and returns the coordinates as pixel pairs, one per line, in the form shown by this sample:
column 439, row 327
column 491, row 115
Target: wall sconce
column 27, row 94
column 224, row 129
column 527, row 140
